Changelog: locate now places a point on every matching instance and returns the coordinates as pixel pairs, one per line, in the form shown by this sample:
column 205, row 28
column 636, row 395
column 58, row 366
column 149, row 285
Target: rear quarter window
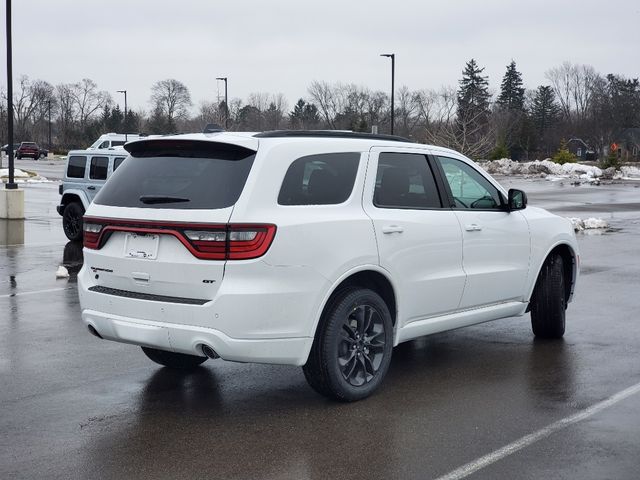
column 324, row 179
column 98, row 168
column 76, row 166
column 179, row 175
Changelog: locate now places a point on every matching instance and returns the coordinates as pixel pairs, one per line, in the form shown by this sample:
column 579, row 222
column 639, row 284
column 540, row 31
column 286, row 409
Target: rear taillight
column 91, row 234
column 204, row 241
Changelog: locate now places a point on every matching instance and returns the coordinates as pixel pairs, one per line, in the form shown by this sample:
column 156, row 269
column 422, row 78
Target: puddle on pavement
column 72, row 257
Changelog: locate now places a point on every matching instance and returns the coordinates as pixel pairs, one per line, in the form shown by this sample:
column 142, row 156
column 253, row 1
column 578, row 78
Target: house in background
column 628, row 145
column 581, row 150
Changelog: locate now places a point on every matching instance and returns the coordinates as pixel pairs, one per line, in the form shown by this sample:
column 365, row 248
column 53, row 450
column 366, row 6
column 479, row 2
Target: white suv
column 318, row 249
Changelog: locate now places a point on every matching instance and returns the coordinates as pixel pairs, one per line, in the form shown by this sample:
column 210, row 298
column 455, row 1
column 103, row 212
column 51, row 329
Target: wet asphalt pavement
column 73, row 406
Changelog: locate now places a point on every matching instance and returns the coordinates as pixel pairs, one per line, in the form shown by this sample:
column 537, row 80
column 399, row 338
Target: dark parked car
column 30, row 149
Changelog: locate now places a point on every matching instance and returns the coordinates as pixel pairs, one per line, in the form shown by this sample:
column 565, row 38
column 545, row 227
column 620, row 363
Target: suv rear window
column 179, row 174
column 76, row 166
column 324, row 179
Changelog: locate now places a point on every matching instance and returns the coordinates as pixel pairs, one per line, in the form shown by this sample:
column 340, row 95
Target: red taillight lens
column 204, row 241
column 249, row 241
column 91, row 234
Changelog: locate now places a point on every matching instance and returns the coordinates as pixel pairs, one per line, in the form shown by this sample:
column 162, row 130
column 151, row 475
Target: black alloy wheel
column 72, row 221
column 361, row 345
column 352, row 348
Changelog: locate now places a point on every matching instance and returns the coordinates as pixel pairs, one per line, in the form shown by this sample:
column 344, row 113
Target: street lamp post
column 49, row 136
column 125, row 113
column 393, row 75
column 11, row 184
column 226, row 102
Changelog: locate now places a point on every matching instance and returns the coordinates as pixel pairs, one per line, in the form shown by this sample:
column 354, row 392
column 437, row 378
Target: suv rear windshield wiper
column 152, row 199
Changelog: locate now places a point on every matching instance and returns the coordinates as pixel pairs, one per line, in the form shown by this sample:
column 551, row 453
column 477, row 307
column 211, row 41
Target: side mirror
column 517, row 200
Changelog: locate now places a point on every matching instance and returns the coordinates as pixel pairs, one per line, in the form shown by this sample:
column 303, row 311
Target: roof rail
column 330, row 134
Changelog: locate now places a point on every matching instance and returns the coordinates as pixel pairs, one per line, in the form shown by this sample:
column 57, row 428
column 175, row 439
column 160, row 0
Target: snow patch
column 588, row 223
column 17, row 173
column 62, row 272
column 545, row 168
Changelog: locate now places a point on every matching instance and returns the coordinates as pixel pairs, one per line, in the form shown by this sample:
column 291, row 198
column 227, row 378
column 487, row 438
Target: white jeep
column 317, row 249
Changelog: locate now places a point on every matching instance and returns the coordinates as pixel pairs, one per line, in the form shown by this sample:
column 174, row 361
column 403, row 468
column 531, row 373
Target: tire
column 42, row 155
column 548, row 304
column 18, row 157
column 173, row 360
column 72, row 221
column 352, row 348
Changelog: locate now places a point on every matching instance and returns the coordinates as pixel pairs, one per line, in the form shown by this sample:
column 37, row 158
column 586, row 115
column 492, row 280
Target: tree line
column 575, row 102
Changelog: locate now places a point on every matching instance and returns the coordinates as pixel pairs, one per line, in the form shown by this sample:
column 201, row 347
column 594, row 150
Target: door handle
column 91, row 188
column 472, row 227
column 392, row 229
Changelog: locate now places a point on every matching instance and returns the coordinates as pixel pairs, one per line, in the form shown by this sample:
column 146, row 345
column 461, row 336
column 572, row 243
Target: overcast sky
column 283, row 45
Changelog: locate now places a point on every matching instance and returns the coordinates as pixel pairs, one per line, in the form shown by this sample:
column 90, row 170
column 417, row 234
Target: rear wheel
column 72, row 221
column 352, row 349
column 548, row 304
column 173, row 359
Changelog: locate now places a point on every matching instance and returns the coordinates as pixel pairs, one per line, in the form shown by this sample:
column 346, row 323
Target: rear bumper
column 189, row 339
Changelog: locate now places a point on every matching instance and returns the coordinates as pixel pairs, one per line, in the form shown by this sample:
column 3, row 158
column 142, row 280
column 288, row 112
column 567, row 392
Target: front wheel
column 172, row 359
column 548, row 304
column 352, row 349
column 72, row 221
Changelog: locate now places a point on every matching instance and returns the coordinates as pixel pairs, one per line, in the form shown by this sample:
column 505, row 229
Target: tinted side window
column 76, row 167
column 98, row 168
column 104, row 144
column 117, row 143
column 405, row 180
column 468, row 187
column 325, row 179
column 116, row 162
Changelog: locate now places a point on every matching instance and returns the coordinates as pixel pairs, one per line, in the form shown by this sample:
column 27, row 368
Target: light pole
column 226, row 102
column 393, row 75
column 49, row 136
column 125, row 113
column 11, row 184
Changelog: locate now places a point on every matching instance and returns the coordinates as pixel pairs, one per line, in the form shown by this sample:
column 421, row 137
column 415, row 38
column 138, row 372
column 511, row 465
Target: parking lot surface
column 486, row 401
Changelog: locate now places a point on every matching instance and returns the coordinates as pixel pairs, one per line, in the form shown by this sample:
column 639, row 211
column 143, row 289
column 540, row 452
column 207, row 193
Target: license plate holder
column 141, row 245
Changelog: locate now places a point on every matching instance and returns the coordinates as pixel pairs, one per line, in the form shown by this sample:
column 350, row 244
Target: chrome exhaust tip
column 209, row 352
column 94, row 332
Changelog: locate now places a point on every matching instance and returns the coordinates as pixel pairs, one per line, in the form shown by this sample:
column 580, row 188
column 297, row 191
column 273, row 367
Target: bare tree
column 329, row 101
column 171, row 98
column 88, row 100
column 574, row 87
column 461, row 132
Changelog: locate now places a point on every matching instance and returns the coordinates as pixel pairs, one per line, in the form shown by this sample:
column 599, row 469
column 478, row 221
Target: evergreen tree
column 304, row 115
column 511, row 90
column 544, row 111
column 473, row 94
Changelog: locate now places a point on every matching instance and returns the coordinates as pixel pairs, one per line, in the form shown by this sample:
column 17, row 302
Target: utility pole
column 393, row 89
column 226, row 103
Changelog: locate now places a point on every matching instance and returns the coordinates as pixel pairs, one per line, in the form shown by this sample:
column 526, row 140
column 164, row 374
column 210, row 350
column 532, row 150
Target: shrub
column 563, row 155
column 611, row 160
column 500, row 151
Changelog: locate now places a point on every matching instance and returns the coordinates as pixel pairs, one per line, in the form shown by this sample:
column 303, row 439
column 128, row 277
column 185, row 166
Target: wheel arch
column 571, row 264
column 367, row 276
column 78, row 196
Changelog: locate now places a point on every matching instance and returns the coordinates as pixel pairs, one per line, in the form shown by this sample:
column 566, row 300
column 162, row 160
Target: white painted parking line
column 527, row 440
column 19, row 294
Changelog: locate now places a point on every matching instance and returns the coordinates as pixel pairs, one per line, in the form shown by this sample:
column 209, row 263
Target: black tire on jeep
column 548, row 303
column 172, row 359
column 352, row 349
column 72, row 221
